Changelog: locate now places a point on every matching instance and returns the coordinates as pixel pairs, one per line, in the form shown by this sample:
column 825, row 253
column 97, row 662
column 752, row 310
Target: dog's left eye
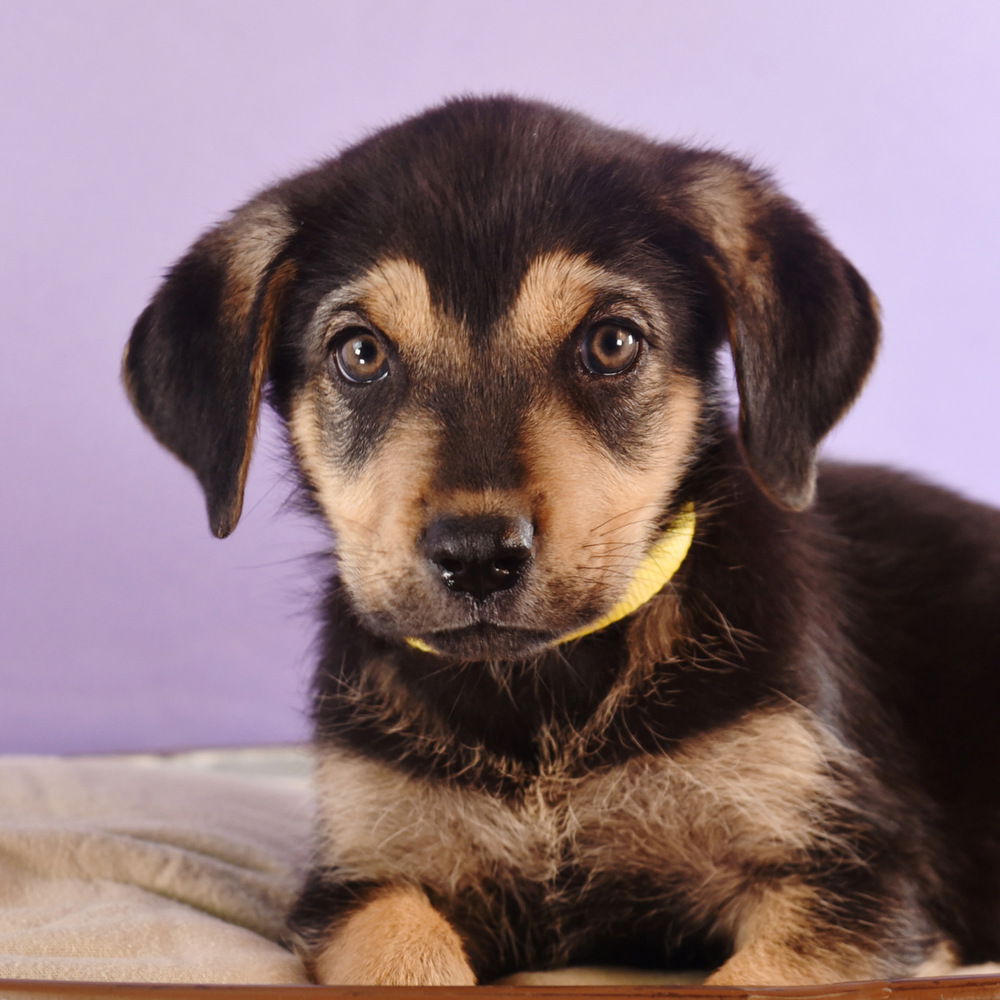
column 360, row 355
column 609, row 349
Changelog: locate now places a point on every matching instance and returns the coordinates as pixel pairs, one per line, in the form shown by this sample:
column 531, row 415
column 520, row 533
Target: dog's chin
column 485, row 641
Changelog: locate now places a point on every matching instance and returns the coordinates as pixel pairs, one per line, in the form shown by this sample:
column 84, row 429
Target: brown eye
column 360, row 355
column 608, row 349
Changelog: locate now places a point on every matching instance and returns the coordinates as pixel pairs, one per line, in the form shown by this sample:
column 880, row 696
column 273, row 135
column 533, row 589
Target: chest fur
column 755, row 795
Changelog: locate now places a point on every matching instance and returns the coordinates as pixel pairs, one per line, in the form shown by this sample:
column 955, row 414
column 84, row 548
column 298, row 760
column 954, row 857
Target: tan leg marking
column 778, row 943
column 396, row 939
column 942, row 961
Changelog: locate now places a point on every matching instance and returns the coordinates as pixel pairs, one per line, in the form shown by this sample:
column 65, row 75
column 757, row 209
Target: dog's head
column 492, row 331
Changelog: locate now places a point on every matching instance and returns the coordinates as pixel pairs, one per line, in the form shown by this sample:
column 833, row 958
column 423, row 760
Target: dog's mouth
column 486, row 641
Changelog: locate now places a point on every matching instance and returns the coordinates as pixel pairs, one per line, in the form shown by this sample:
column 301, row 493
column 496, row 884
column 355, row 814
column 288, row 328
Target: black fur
column 873, row 607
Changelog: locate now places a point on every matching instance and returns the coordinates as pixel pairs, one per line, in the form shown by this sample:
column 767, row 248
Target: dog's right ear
column 198, row 356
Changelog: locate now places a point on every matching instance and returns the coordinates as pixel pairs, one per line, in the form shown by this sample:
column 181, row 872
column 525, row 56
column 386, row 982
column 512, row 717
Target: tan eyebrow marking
column 396, row 297
column 556, row 292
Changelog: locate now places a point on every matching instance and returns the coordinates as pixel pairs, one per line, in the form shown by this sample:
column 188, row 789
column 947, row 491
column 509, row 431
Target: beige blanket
column 146, row 871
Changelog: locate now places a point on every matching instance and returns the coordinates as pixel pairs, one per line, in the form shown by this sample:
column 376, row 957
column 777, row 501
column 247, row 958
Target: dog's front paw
column 396, row 939
column 812, row 956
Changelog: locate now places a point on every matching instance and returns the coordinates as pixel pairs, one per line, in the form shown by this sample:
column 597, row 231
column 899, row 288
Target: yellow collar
column 654, row 572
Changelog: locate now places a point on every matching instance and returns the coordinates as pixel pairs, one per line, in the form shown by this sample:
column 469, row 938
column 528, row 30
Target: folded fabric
column 147, row 871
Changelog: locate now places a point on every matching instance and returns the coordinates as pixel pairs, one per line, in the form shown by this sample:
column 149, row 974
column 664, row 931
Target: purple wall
column 129, row 127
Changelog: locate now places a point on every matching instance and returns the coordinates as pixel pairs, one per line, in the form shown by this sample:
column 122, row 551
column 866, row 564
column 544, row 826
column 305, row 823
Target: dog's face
column 492, row 333
column 491, row 488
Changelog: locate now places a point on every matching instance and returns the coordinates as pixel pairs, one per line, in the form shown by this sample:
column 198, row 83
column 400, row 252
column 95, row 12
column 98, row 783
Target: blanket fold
column 147, row 872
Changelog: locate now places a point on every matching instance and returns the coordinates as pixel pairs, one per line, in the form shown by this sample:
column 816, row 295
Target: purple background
column 128, row 127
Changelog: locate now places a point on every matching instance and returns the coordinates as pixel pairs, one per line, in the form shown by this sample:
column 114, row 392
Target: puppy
column 602, row 679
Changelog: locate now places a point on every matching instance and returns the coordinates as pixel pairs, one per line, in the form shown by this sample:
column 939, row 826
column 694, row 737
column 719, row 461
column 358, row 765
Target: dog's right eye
column 360, row 355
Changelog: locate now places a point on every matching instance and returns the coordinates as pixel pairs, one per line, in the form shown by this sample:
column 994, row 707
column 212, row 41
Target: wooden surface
column 952, row 988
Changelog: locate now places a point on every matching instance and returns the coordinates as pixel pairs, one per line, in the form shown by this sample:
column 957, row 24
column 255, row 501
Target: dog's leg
column 782, row 940
column 778, row 962
column 394, row 937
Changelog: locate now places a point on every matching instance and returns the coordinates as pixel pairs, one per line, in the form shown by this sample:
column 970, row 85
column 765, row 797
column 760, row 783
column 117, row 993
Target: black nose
column 479, row 555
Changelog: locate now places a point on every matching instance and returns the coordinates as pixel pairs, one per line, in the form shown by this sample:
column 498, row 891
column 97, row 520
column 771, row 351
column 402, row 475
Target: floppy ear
column 802, row 323
column 196, row 362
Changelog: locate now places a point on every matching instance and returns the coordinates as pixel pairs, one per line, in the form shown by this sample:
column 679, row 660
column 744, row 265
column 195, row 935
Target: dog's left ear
column 198, row 356
column 802, row 323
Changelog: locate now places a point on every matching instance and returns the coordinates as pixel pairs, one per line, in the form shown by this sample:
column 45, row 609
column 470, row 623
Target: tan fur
column 247, row 245
column 376, row 515
column 753, row 792
column 379, row 514
column 395, row 939
column 725, row 203
column 779, row 944
column 555, row 294
column 942, row 961
column 282, row 277
column 469, row 503
column 593, row 553
column 596, row 550
column 395, row 296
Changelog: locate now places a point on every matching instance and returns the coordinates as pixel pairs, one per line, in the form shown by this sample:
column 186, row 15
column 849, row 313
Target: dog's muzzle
column 480, row 556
